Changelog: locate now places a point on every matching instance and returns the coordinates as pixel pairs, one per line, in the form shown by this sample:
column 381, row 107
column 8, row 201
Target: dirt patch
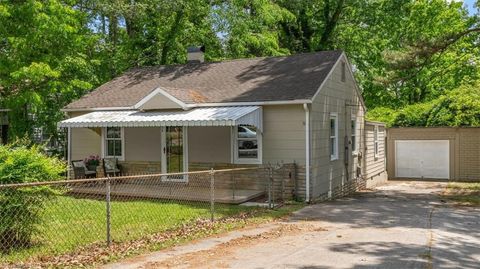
column 214, row 257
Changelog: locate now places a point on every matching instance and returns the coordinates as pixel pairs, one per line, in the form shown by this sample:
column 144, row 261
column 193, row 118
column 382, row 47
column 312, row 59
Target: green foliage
column 252, row 27
column 20, row 208
column 383, row 114
column 413, row 115
column 400, row 57
column 459, row 107
column 44, row 69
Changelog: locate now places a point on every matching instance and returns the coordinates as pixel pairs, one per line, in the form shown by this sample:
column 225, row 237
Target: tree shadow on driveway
column 448, row 236
column 397, row 255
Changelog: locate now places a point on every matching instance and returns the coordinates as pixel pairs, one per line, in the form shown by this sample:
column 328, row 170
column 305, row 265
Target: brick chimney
column 195, row 54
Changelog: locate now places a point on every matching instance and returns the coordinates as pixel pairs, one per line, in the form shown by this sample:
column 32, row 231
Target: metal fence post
column 109, row 239
column 212, row 195
column 270, row 176
column 234, row 184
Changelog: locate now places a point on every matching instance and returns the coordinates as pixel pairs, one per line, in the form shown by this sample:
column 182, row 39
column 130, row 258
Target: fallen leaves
column 98, row 253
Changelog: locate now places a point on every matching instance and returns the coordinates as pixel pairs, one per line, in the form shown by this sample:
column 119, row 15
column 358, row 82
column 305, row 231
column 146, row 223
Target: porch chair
column 111, row 167
column 81, row 171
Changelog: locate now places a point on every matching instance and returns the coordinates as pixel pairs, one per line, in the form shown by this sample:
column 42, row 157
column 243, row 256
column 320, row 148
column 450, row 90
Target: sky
column 471, row 6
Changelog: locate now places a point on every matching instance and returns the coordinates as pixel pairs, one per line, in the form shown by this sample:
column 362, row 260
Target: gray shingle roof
column 285, row 78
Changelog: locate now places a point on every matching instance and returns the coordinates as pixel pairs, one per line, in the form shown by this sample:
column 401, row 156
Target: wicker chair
column 111, row 167
column 81, row 171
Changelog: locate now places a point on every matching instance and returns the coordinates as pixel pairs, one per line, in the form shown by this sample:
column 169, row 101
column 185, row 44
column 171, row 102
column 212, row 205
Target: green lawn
column 464, row 193
column 69, row 223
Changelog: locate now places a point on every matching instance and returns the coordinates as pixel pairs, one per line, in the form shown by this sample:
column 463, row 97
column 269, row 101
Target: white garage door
column 422, row 158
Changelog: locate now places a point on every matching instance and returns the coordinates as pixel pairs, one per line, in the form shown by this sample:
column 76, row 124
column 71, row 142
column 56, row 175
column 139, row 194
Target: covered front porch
column 174, row 142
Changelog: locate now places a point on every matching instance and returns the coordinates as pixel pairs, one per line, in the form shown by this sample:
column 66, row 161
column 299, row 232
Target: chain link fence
column 52, row 218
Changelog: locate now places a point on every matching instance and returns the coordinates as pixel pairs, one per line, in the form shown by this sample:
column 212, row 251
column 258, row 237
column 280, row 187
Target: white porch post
column 69, row 151
column 185, row 150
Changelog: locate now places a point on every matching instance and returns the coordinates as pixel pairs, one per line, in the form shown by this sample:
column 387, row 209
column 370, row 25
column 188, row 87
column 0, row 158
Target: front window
column 247, row 144
column 114, row 142
column 333, row 137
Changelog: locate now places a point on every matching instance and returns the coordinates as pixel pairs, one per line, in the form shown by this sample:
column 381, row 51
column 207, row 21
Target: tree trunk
column 331, row 22
column 112, row 30
column 171, row 36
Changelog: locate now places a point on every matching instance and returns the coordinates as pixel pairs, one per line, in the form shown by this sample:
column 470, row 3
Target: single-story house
column 303, row 109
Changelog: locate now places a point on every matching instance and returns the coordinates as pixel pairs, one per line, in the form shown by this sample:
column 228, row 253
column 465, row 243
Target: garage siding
column 464, row 148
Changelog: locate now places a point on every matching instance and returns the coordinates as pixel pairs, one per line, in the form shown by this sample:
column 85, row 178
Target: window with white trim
column 333, row 137
column 248, row 144
column 113, row 142
column 375, row 141
column 353, row 128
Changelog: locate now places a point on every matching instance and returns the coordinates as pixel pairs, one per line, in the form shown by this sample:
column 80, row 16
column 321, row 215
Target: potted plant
column 92, row 162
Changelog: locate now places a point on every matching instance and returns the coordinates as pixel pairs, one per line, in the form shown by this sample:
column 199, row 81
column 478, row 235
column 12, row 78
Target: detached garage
column 434, row 153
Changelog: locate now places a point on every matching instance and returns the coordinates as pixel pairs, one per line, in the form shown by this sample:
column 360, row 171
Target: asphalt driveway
column 399, row 225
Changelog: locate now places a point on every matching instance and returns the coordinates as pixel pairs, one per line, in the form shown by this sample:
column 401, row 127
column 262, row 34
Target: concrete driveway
column 399, row 225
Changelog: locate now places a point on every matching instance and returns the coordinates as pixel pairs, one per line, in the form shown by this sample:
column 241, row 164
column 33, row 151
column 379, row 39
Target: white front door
column 422, row 159
column 174, row 151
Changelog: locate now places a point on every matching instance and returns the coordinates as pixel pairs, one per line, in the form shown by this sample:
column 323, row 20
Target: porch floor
column 179, row 193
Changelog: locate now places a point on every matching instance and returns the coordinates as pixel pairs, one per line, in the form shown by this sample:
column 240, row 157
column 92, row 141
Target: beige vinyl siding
column 284, row 134
column 143, row 144
column 86, row 142
column 159, row 101
column 209, row 144
column 340, row 98
column 374, row 166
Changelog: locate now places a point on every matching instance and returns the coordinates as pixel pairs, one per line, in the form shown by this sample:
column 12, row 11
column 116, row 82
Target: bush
column 382, row 114
column 413, row 115
column 459, row 107
column 20, row 208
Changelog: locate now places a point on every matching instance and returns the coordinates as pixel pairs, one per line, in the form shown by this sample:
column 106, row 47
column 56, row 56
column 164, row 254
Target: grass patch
column 464, row 193
column 72, row 224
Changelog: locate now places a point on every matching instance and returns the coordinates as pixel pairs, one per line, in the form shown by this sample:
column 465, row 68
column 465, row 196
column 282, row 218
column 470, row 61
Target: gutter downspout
column 307, row 152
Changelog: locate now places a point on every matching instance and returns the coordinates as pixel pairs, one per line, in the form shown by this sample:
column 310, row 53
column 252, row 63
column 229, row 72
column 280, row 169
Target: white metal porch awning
column 208, row 116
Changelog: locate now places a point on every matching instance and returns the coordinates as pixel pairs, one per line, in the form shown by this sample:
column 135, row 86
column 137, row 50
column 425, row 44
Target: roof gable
column 270, row 79
column 159, row 99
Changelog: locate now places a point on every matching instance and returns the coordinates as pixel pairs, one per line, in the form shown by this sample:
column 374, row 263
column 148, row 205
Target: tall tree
column 42, row 70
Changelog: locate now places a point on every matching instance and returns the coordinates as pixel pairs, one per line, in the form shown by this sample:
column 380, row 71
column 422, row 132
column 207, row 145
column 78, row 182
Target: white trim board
column 189, row 106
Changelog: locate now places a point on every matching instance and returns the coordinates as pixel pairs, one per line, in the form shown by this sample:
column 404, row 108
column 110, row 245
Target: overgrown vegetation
column 400, row 57
column 458, row 107
column 20, row 209
column 464, row 193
